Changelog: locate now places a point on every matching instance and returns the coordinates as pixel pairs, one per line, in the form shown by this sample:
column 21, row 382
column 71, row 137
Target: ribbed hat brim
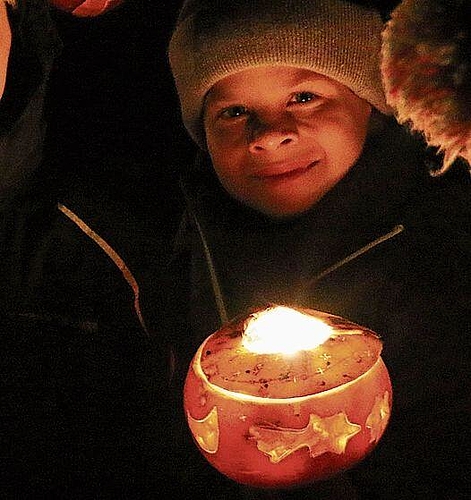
column 213, row 40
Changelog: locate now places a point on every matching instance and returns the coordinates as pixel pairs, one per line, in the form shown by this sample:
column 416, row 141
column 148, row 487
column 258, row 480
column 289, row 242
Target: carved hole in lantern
column 283, row 330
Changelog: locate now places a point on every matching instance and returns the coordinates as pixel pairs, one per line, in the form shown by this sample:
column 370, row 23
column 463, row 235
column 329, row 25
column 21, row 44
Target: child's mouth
column 273, row 175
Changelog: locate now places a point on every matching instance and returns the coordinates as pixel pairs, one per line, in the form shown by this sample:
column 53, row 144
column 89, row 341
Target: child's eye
column 234, row 112
column 305, row 98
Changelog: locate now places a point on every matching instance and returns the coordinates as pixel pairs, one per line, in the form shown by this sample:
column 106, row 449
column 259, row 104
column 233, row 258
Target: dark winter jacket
column 83, row 379
column 389, row 248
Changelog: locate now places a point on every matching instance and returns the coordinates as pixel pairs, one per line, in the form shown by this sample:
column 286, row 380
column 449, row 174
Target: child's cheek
column 226, row 139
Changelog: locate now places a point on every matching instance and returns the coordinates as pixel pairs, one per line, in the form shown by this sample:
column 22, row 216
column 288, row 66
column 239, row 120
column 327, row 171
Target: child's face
column 281, row 137
column 5, row 41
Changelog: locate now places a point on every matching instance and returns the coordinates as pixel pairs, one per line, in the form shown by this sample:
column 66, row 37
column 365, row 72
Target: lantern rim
column 226, row 346
column 241, row 396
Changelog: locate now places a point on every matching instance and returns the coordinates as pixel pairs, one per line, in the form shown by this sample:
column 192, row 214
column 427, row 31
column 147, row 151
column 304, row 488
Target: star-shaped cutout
column 379, row 417
column 321, row 435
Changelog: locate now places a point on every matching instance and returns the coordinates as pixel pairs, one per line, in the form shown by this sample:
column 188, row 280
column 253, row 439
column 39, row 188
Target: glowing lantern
column 86, row 8
column 287, row 396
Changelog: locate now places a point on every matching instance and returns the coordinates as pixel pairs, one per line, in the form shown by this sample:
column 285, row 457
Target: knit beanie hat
column 217, row 38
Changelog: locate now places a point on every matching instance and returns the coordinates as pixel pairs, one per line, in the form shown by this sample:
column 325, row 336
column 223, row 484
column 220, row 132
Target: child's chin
column 282, row 212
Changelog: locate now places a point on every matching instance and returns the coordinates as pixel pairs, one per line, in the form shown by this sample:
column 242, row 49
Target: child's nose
column 270, row 137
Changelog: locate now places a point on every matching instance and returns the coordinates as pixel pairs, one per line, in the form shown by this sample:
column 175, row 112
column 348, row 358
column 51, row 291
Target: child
column 307, row 192
column 426, row 68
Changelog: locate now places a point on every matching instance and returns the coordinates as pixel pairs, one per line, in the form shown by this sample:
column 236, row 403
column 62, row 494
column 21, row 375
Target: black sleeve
column 35, row 44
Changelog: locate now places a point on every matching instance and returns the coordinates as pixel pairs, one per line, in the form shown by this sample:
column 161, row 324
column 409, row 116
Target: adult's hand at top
column 5, row 43
column 86, row 8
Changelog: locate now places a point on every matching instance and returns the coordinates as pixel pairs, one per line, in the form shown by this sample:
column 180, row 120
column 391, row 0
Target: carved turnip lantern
column 86, row 8
column 285, row 397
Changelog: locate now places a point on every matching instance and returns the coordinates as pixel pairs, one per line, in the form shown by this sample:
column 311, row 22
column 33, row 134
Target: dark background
column 113, row 116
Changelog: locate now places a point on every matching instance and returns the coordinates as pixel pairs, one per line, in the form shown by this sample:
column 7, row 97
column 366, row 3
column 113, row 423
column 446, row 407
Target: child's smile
column 281, row 171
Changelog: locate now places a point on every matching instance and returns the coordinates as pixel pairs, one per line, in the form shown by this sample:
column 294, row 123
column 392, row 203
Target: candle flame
column 284, row 330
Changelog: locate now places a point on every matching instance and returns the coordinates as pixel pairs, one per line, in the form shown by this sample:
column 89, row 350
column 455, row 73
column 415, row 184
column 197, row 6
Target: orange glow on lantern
column 286, row 396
